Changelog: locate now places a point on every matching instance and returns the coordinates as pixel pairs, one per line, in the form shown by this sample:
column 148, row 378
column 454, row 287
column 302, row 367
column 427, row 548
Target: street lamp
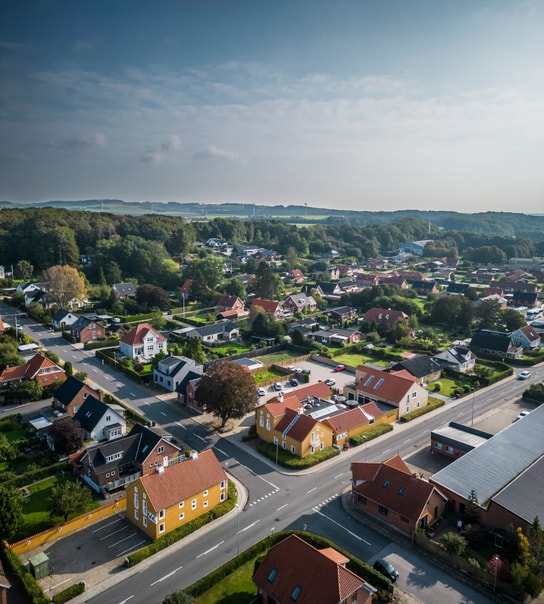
column 237, row 527
column 277, row 443
column 496, row 559
column 472, row 418
column 366, row 440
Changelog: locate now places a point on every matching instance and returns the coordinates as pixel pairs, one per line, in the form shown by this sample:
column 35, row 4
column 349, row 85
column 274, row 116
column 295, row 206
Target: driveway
column 92, row 554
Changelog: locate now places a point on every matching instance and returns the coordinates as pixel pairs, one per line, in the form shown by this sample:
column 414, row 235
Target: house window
column 136, row 501
column 160, row 450
column 107, row 475
column 268, row 423
column 312, row 449
column 161, row 514
column 205, row 504
column 414, row 394
column 193, row 504
column 261, row 420
column 275, row 440
column 402, row 490
column 161, row 527
column 284, row 446
column 382, row 510
column 144, row 507
column 181, row 504
column 386, row 484
column 292, row 448
column 222, row 497
column 418, row 403
column 144, row 520
column 408, row 409
column 296, row 593
column 438, row 446
column 272, row 575
column 223, row 484
column 136, row 515
column 182, row 516
column 322, row 446
column 205, row 494
column 449, row 449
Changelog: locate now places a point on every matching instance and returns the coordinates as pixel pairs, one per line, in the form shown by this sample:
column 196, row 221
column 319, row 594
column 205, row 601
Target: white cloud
column 212, row 152
column 97, row 140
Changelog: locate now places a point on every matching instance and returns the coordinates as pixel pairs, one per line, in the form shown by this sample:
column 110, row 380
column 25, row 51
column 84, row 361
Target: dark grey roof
column 124, row 289
column 128, row 445
column 148, row 439
column 507, row 468
column 191, row 375
column 91, row 412
column 60, row 314
column 81, row 323
column 491, row 340
column 419, row 366
column 456, row 288
column 207, row 330
column 327, row 287
column 68, row 390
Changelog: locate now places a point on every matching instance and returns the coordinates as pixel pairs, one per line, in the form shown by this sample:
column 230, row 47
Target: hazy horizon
column 357, row 105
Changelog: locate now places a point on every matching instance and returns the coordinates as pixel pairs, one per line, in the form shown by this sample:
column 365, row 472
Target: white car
column 524, row 375
column 521, row 415
column 261, row 392
column 330, row 382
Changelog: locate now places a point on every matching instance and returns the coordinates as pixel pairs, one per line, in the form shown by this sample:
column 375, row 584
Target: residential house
column 300, row 303
column 295, row 571
column 143, row 342
column 223, row 331
column 100, row 421
column 342, row 313
column 329, row 290
column 297, row 275
column 230, row 304
column 366, row 280
column 113, row 465
column 72, row 394
column 527, row 337
column 354, row 421
column 173, row 495
column 372, row 384
column 87, row 329
column 500, row 300
column 384, row 315
column 344, row 270
column 39, row 368
column 410, row 276
column 498, row 343
column 269, row 306
column 397, row 280
column 335, row 336
column 524, row 298
column 425, row 287
column 171, row 370
column 391, row 493
column 456, row 289
column 301, row 434
column 511, row 286
column 26, row 287
column 63, row 319
column 187, row 390
column 40, row 297
column 350, row 287
column 422, row 367
column 124, row 290
column 415, row 247
column 458, row 358
column 456, row 439
column 507, row 473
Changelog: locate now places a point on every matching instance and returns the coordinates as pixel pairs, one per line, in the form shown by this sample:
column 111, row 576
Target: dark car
column 386, row 568
column 293, row 383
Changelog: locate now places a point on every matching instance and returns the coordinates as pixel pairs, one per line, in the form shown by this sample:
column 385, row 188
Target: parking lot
column 92, row 554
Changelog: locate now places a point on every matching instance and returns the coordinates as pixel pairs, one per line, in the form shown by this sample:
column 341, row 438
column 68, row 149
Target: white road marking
column 220, row 451
column 338, row 475
column 166, row 576
column 114, row 533
column 132, row 547
column 126, row 599
column 163, row 413
column 202, row 439
column 281, row 507
column 106, row 525
column 180, row 425
column 249, row 526
column 211, row 549
column 311, row 490
column 61, row 583
column 263, row 479
column 132, row 394
column 121, row 541
column 343, row 527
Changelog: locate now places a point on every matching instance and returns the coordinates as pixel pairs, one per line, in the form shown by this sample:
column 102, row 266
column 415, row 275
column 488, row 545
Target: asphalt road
column 275, row 500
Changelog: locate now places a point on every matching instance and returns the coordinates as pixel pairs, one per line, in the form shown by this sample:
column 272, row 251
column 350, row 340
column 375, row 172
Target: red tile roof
column 353, row 418
column 136, row 336
column 30, row 370
column 319, row 577
column 384, row 315
column 183, row 480
column 266, row 305
column 297, row 430
column 383, row 386
column 278, row 408
column 366, row 471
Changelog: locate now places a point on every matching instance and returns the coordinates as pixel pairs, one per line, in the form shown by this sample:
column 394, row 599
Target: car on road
column 339, row 368
column 24, row 315
column 524, row 375
column 386, row 568
column 521, row 415
column 330, row 381
column 261, row 392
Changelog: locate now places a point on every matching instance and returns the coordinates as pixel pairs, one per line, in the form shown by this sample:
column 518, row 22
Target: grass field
column 236, row 588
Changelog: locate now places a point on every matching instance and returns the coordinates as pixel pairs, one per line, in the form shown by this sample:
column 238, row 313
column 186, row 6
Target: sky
column 347, row 104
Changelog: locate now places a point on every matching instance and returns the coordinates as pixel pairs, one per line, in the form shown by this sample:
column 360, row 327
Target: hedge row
column 355, row 441
column 185, row 530
column 535, row 393
column 288, row 460
column 434, row 404
column 107, row 343
column 70, row 592
column 30, row 585
column 35, row 475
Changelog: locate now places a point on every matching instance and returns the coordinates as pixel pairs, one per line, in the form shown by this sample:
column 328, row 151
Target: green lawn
column 232, row 348
column 276, row 357
column 267, row 376
column 18, row 435
column 36, row 510
column 236, row 588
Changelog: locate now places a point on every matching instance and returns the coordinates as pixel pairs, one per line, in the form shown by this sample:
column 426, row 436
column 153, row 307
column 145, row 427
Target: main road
column 276, row 500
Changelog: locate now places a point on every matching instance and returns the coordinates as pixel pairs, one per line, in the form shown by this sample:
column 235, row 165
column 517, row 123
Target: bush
column 34, row 475
column 70, row 592
column 30, row 585
column 288, row 460
column 433, row 404
column 437, row 387
column 355, row 441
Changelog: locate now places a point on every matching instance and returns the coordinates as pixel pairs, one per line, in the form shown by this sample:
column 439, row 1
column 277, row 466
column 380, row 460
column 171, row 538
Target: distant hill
column 486, row 223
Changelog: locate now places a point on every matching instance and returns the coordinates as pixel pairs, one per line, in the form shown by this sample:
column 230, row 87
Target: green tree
column 227, row 390
column 64, row 284
column 68, row 498
column 11, row 513
column 453, row 543
column 472, row 508
column 150, row 296
column 512, row 319
column 266, row 283
column 193, row 350
column 24, row 270
column 29, row 390
column 178, row 597
column 68, row 368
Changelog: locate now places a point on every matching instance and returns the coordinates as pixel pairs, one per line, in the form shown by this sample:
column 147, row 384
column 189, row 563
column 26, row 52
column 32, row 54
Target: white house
column 171, row 370
column 142, row 343
column 100, row 421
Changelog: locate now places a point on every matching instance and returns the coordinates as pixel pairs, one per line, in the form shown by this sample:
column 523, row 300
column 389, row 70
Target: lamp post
column 365, row 439
column 472, row 417
column 496, row 559
column 277, row 443
column 237, row 528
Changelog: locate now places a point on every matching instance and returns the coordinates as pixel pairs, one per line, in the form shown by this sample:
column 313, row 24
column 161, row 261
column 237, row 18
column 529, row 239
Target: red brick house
column 269, row 306
column 72, row 394
column 297, row 275
column 295, row 571
column 384, row 315
column 231, row 304
column 390, row 492
column 87, row 329
column 39, row 368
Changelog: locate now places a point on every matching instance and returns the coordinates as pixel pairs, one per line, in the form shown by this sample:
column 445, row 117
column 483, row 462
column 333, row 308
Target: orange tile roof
column 183, row 480
column 136, row 336
column 354, row 417
column 30, row 370
column 366, row 471
column 266, row 305
column 383, row 386
column 277, row 408
column 298, row 564
column 300, row 428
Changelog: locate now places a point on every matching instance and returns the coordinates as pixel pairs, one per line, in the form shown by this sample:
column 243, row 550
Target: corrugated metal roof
column 497, row 463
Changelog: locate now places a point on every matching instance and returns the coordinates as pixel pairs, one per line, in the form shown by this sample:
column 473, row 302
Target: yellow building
column 176, row 494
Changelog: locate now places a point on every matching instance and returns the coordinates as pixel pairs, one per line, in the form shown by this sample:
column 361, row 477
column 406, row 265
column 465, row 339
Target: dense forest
column 150, row 247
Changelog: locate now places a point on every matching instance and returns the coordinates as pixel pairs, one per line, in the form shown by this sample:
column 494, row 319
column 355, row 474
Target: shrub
column 69, row 593
column 433, row 404
column 30, row 585
column 355, row 441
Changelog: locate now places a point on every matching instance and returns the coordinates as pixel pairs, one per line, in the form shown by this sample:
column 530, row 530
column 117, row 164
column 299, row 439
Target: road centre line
column 106, row 525
column 263, row 479
column 166, row 576
column 126, row 599
column 198, row 436
column 221, row 451
column 249, row 526
column 311, row 490
column 114, row 533
column 163, row 413
column 211, row 549
column 338, row 475
column 343, row 527
column 281, row 507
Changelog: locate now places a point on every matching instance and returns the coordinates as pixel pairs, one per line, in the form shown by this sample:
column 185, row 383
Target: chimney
column 159, row 469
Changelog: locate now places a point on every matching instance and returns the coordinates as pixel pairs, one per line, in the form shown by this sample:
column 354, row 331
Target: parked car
column 290, row 367
column 386, row 568
column 305, row 372
column 524, row 375
column 277, row 386
column 330, row 381
column 521, row 415
column 293, row 383
column 339, row 368
column 261, row 392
